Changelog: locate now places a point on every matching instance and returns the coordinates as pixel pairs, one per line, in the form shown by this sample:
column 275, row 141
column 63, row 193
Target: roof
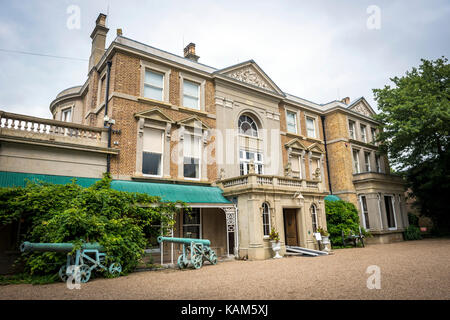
column 167, row 192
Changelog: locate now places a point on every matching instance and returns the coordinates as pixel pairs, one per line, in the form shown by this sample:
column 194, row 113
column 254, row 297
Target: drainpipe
column 326, row 153
column 107, row 123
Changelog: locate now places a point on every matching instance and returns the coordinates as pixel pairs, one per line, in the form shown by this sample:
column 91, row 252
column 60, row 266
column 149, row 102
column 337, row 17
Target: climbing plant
column 123, row 222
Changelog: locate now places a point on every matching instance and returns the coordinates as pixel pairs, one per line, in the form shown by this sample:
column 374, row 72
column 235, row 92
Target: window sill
column 168, row 105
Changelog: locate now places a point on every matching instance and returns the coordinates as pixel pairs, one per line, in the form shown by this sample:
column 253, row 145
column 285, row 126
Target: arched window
column 314, row 217
column 247, row 126
column 266, row 218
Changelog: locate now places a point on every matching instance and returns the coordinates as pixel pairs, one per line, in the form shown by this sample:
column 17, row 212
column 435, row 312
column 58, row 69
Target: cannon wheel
column 115, row 269
column 197, row 261
column 213, row 258
column 85, row 273
column 63, row 273
column 180, row 262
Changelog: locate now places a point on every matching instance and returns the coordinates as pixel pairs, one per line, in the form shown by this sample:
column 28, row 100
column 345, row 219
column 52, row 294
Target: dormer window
column 247, row 126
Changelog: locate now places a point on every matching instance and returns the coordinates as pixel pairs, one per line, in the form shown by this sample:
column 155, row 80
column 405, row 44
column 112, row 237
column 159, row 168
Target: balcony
column 46, row 132
column 254, row 182
column 376, row 177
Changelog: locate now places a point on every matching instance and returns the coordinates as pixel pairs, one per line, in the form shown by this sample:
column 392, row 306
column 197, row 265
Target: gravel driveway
column 409, row 270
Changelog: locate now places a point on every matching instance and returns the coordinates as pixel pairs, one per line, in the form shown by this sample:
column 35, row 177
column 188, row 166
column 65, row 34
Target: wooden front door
column 290, row 227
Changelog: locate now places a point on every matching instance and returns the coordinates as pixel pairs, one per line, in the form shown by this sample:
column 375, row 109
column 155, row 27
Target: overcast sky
column 318, row 50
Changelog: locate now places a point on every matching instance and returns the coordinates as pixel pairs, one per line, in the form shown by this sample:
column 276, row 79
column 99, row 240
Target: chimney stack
column 346, row 100
column 189, row 52
column 119, row 32
column 98, row 37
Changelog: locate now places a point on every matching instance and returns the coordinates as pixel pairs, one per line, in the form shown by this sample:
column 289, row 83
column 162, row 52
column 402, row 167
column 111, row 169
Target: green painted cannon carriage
column 195, row 251
column 86, row 259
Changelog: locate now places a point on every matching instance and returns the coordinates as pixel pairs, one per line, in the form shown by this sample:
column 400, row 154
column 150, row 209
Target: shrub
column 122, row 222
column 413, row 219
column 341, row 215
column 412, row 233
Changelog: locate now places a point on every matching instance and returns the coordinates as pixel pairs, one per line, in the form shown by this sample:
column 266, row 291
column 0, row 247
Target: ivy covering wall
column 122, row 222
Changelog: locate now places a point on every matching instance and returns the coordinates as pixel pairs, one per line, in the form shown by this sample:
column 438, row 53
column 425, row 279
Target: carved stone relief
column 250, row 76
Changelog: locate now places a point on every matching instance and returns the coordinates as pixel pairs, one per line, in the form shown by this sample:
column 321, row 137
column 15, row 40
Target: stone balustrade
column 18, row 126
column 258, row 180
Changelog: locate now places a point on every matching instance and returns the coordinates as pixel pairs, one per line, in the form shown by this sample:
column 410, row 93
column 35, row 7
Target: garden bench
column 352, row 237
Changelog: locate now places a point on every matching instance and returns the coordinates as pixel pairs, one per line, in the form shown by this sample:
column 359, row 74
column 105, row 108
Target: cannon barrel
column 57, row 247
column 205, row 242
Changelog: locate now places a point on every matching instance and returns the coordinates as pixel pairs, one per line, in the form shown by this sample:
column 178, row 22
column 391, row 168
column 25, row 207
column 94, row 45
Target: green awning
column 167, row 192
column 332, row 197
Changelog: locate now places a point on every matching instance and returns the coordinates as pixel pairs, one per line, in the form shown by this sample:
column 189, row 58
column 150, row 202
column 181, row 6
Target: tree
column 414, row 132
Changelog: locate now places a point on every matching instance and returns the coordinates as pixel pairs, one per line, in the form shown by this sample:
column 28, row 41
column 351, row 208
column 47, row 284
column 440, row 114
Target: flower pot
column 276, row 247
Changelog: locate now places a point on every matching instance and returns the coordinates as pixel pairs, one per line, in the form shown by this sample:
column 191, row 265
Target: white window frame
column 197, row 97
column 378, row 164
column 266, row 236
column 188, row 134
column 315, row 126
column 151, row 85
column 162, row 154
column 256, row 125
column 146, row 65
column 352, row 129
column 295, row 113
column 363, row 136
column 358, row 166
column 373, row 136
column 65, row 110
column 362, row 211
column 367, row 166
column 393, row 211
column 190, row 225
column 246, row 161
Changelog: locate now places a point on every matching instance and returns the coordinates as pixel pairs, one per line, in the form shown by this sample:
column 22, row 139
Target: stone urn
column 276, row 247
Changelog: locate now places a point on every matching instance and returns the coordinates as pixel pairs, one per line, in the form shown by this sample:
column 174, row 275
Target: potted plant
column 325, row 238
column 275, row 241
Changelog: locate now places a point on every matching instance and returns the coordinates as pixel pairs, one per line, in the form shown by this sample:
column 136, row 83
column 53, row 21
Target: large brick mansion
column 240, row 151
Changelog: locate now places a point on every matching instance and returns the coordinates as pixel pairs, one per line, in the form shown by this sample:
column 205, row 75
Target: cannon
column 86, row 259
column 195, row 251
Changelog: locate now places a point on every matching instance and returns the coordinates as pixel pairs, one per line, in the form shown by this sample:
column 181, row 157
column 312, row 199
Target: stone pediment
column 193, row 122
column 154, row 114
column 362, row 106
column 315, row 148
column 295, row 144
column 250, row 73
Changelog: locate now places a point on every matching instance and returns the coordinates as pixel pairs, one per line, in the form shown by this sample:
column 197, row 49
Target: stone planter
column 326, row 243
column 276, row 247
